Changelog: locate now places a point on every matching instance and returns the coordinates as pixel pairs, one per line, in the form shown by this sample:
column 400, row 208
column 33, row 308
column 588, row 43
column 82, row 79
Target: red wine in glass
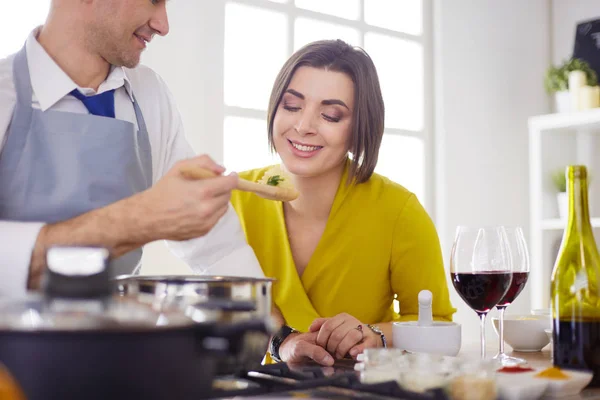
column 480, row 269
column 519, row 256
column 516, row 287
column 481, row 290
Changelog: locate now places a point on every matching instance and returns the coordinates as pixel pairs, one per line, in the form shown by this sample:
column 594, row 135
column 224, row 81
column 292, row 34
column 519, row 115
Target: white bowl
column 414, row 338
column 525, row 332
column 526, row 385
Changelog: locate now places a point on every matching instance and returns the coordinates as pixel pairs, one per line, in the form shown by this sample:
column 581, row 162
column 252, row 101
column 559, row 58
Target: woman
column 353, row 240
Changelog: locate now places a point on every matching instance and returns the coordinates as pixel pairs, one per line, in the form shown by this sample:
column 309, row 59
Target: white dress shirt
column 223, row 251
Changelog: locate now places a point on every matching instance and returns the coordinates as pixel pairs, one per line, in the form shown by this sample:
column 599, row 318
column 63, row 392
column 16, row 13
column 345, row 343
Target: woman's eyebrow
column 327, row 102
column 295, row 93
column 334, row 101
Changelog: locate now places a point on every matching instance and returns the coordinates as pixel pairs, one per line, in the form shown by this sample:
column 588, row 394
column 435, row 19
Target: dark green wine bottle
column 574, row 289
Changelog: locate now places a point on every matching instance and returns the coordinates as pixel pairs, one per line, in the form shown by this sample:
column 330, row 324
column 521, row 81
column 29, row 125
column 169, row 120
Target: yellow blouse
column 378, row 242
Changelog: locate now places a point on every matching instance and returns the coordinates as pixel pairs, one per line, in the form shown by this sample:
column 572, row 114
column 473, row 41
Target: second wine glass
column 520, row 272
column 480, row 269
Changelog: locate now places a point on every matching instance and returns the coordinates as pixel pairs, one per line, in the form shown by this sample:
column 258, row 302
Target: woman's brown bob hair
column 368, row 114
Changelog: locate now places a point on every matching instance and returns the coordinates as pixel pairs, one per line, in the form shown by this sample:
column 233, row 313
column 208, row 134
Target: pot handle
column 77, row 272
column 226, row 305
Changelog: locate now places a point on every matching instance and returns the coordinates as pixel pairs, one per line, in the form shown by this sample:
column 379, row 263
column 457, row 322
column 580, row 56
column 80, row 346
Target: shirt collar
column 50, row 83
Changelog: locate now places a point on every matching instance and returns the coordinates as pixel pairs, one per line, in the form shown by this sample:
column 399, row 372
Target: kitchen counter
column 311, row 381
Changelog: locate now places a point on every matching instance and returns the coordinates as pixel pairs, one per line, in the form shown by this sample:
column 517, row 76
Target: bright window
column 348, row 9
column 244, row 45
column 246, row 144
column 391, row 31
column 307, row 30
column 399, row 64
column 399, row 154
column 397, row 15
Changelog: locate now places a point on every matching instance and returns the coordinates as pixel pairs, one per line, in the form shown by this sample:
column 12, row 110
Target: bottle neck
column 579, row 216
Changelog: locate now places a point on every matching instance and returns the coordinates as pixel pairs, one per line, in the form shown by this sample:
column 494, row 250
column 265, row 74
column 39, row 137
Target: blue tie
column 101, row 104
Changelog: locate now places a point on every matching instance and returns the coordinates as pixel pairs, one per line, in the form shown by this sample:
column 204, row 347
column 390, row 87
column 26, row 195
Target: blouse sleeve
column 417, row 264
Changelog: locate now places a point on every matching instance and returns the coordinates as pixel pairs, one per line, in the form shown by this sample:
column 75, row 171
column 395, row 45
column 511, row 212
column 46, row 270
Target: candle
column 589, row 97
column 577, row 80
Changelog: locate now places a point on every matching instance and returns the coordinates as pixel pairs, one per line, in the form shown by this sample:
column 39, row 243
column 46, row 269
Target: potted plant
column 557, row 81
column 560, row 184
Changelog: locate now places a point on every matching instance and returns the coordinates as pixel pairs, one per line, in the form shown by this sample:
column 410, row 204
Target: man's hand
column 175, row 208
column 179, row 208
column 342, row 333
column 299, row 347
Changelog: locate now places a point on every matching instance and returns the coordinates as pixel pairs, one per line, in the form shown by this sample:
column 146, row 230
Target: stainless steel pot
column 237, row 299
column 78, row 340
column 240, row 293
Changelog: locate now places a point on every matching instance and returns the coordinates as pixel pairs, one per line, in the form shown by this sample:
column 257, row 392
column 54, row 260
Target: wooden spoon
column 265, row 191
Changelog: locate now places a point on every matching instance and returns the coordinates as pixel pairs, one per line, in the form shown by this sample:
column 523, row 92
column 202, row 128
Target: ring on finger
column 360, row 329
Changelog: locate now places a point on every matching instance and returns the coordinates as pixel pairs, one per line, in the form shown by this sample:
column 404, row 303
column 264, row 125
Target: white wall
column 565, row 16
column 490, row 59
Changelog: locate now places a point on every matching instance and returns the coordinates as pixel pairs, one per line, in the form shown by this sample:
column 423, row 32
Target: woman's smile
column 303, row 150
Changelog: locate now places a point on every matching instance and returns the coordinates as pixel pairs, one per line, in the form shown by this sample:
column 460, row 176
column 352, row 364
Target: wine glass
column 480, row 269
column 520, row 272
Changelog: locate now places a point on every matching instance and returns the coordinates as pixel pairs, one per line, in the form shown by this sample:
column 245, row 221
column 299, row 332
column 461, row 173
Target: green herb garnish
column 274, row 180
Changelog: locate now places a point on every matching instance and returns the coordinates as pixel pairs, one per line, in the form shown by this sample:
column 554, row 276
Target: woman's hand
column 340, row 334
column 299, row 347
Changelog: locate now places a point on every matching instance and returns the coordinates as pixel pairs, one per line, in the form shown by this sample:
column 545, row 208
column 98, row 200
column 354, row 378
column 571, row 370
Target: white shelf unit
column 557, row 140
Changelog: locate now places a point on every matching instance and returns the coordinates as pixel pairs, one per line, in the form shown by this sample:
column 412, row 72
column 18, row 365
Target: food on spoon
column 274, row 180
column 275, row 176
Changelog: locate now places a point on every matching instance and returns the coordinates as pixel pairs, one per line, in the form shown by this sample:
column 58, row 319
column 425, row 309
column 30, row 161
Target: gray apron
column 57, row 165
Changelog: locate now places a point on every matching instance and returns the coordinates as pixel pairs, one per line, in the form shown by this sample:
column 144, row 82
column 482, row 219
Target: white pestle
column 423, row 336
column 425, row 313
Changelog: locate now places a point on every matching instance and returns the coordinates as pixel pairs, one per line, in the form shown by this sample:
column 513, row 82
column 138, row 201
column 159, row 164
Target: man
column 91, row 148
